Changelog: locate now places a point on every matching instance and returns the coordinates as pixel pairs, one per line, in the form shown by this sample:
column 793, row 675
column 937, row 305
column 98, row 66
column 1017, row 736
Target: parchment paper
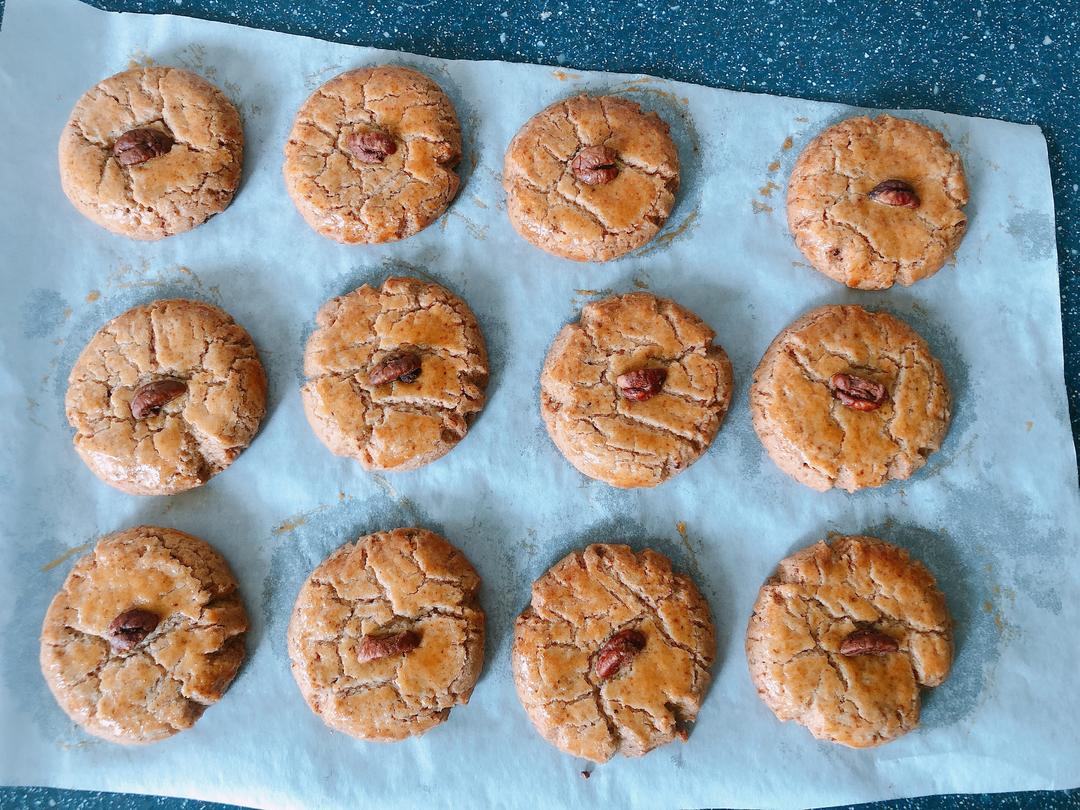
column 994, row 514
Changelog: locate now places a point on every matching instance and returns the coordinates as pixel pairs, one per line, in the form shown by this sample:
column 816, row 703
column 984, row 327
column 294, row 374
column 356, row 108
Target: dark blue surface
column 41, row 799
column 1015, row 61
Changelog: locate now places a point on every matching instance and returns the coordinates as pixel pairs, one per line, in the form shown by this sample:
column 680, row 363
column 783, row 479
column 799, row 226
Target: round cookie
column 151, row 152
column 844, row 635
column 850, row 399
column 591, row 178
column 635, row 391
column 146, row 632
column 872, row 202
column 613, row 654
column 395, row 374
column 372, row 155
column 387, row 635
column 165, row 396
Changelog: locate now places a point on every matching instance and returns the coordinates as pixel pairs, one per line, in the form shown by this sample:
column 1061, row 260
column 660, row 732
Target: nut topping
column 152, row 397
column 641, row 384
column 374, row 647
column 595, row 165
column 617, row 652
column 371, row 146
column 895, row 192
column 130, row 628
column 140, row 145
column 404, row 367
column 856, row 392
column 868, row 642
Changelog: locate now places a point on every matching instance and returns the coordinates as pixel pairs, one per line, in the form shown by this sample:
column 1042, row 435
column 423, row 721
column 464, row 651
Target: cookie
column 850, row 399
column 591, row 178
column 165, row 396
column 387, row 635
column 614, row 653
column 372, row 155
column 146, row 632
column 395, row 374
column 873, row 202
column 844, row 635
column 635, row 391
column 151, row 152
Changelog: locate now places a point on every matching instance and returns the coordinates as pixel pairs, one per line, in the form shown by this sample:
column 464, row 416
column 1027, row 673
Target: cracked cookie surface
column 164, row 682
column 612, row 438
column 404, row 423
column 404, row 581
column 577, row 607
column 817, row 599
column 169, row 194
column 866, row 244
column 816, row 439
column 355, row 198
column 193, row 436
column 556, row 211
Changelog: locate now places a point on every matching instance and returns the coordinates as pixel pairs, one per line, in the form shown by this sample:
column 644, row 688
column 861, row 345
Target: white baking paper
column 994, row 513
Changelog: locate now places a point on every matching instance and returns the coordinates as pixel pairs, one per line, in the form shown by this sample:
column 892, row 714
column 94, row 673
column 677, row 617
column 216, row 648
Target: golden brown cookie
column 387, row 635
column 635, row 391
column 146, row 632
column 613, row 654
column 165, row 396
column 151, row 152
column 591, row 178
column 850, row 399
column 372, row 155
column 395, row 374
column 876, row 201
column 844, row 635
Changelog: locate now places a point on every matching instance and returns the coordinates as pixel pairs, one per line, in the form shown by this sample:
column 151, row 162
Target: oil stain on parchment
column 67, row 555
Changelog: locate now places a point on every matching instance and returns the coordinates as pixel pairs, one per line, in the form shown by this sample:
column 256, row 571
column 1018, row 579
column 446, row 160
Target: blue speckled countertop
column 1009, row 60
